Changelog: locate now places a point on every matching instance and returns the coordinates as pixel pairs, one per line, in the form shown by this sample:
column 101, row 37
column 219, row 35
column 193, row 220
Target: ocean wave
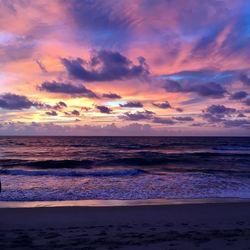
column 47, row 163
column 67, row 173
column 141, row 158
column 232, row 148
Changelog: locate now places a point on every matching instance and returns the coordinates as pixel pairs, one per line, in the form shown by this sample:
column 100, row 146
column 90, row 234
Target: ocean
column 123, row 168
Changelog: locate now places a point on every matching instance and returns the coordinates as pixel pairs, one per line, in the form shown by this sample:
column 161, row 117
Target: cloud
column 220, row 109
column 132, row 105
column 179, row 110
column 58, row 106
column 163, row 105
column 240, row 115
column 167, row 121
column 41, row 66
column 217, row 113
column 237, row 123
column 239, row 95
column 204, row 76
column 104, row 22
column 247, row 101
column 184, row 118
column 198, row 124
column 19, row 128
column 192, row 101
column 111, row 96
column 105, row 65
column 137, row 116
column 210, row 89
column 67, row 88
column 75, row 112
column 104, row 109
column 245, row 79
column 51, row 113
column 15, row 102
column 18, row 48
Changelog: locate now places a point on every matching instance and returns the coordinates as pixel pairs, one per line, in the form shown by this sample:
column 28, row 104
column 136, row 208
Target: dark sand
column 186, row 226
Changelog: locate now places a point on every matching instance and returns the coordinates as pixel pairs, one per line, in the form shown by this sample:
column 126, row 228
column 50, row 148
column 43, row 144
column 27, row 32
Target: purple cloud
column 137, row 116
column 247, row 101
column 210, row 89
column 184, row 118
column 167, row 121
column 41, row 66
column 75, row 112
column 51, row 113
column 67, row 88
column 220, row 109
column 105, row 66
column 239, row 95
column 163, row 105
column 217, row 113
column 13, row 101
column 245, row 79
column 179, row 110
column 104, row 109
column 111, row 96
column 132, row 105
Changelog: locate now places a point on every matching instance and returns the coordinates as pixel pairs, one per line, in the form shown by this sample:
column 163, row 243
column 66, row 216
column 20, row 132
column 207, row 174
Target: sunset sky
column 132, row 67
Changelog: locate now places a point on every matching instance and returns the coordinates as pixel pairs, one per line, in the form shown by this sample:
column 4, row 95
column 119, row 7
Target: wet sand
column 185, row 226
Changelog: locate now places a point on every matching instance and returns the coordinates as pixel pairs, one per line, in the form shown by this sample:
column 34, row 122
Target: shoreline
column 119, row 203
column 185, row 226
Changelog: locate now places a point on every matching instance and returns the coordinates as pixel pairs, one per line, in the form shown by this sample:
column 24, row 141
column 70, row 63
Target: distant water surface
column 123, row 168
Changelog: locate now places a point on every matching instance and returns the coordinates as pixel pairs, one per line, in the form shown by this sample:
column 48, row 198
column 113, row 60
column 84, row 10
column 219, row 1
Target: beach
column 215, row 225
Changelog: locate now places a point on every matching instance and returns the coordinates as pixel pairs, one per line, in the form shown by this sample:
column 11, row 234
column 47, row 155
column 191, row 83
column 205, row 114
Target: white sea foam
column 168, row 186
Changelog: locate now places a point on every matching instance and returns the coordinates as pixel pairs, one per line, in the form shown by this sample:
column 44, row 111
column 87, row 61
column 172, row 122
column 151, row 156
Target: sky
column 132, row 67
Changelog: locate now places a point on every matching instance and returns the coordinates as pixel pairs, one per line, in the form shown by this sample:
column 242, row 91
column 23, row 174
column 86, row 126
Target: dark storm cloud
column 163, row 105
column 210, row 89
column 67, row 88
column 137, row 116
column 105, row 65
column 13, row 101
column 104, row 109
column 239, row 95
column 111, row 96
column 132, row 105
column 51, row 113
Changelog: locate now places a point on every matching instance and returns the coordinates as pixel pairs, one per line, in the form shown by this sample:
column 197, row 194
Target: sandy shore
column 186, row 226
